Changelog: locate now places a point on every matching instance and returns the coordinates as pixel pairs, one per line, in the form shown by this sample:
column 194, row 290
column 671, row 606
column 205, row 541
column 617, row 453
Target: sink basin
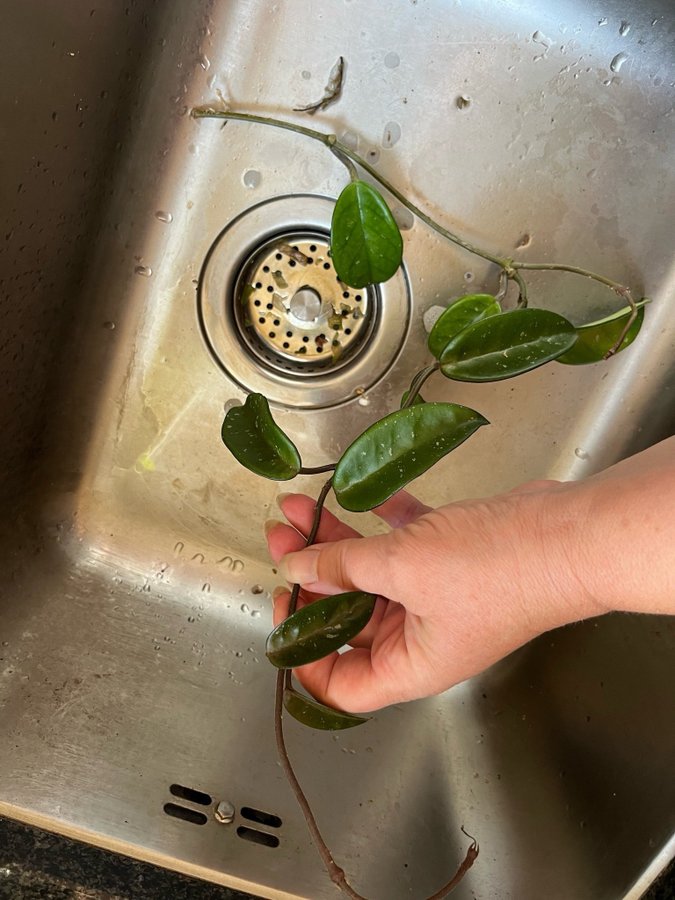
column 135, row 699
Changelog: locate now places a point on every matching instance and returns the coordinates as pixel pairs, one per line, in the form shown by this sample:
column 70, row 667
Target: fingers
column 361, row 679
column 348, row 565
column 401, row 509
column 299, row 510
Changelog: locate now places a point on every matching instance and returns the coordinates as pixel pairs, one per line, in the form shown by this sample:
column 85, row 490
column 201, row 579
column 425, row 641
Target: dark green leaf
column 418, row 399
column 319, row 629
column 460, row 315
column 506, row 345
column 596, row 338
column 366, row 245
column 397, row 449
column 253, row 437
column 314, row 714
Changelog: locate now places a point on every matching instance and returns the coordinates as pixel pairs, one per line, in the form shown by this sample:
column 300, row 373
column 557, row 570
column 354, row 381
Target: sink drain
column 294, row 312
column 278, row 320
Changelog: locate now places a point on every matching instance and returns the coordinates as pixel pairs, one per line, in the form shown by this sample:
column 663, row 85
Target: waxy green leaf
column 596, row 338
column 458, row 316
column 253, row 437
column 506, row 345
column 366, row 245
column 319, row 629
column 316, row 715
column 397, row 449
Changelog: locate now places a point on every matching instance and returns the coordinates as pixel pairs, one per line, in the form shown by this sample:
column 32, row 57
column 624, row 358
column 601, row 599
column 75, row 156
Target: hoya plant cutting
column 481, row 337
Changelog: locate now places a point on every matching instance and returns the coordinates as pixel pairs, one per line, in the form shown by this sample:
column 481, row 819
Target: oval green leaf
column 319, row 629
column 253, row 437
column 458, row 316
column 507, row 345
column 316, row 715
column 366, row 245
column 597, row 338
column 397, row 449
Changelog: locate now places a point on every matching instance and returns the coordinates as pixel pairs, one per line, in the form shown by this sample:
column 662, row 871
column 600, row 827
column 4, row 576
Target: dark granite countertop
column 37, row 865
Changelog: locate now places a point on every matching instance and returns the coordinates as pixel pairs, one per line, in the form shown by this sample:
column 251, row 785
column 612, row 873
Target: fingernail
column 301, row 567
column 279, row 591
column 270, row 524
column 279, row 499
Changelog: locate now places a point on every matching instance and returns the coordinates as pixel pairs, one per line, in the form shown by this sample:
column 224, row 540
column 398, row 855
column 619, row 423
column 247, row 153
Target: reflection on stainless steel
column 135, row 584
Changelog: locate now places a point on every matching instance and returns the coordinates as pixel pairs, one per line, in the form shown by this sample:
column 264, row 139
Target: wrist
column 565, row 567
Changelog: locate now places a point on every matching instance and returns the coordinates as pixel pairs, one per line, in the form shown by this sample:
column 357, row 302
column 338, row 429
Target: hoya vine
column 475, row 340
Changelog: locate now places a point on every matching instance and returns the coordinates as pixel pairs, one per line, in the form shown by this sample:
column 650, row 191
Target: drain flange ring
column 271, row 265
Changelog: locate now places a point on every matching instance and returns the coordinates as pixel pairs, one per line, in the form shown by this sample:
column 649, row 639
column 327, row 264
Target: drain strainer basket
column 278, row 320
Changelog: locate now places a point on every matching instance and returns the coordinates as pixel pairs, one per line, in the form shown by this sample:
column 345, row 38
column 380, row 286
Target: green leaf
column 253, row 437
column 319, row 629
column 596, row 338
column 397, row 449
column 460, row 315
column 316, row 715
column 366, row 245
column 506, row 345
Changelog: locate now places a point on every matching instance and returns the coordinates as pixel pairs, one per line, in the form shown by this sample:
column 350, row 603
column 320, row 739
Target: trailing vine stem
column 417, row 383
column 510, row 266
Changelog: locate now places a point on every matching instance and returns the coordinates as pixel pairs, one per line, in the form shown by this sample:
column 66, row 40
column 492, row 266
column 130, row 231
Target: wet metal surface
column 135, row 585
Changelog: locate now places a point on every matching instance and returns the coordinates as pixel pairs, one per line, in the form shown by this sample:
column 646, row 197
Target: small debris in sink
column 332, row 91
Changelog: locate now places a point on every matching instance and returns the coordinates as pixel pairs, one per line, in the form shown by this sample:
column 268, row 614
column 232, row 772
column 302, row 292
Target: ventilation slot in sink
column 188, row 793
column 257, row 837
column 187, row 815
column 260, row 817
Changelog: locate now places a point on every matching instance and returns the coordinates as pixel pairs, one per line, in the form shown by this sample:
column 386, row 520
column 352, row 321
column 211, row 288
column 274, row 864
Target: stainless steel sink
column 135, row 701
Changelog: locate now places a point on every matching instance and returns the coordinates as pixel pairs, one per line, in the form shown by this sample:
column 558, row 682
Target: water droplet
column 164, row 216
column 392, row 60
column 463, row 101
column 540, row 38
column 350, row 139
column 363, row 400
column 306, row 75
column 618, row 61
column 245, row 608
column 146, row 271
column 238, row 653
column 392, row 134
column 624, row 28
column 109, row 325
column 255, row 613
column 204, row 62
column 257, row 589
column 603, row 21
column 582, row 454
column 373, row 155
column 191, row 619
column 251, row 178
column 468, row 276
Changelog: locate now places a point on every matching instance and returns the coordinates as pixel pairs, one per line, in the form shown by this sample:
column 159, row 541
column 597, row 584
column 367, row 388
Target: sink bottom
column 135, row 588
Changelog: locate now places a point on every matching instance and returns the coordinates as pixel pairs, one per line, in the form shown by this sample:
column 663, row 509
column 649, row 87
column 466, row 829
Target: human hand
column 458, row 588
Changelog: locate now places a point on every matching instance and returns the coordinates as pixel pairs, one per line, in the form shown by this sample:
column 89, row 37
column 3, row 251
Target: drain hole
column 262, row 818
column 188, row 793
column 187, row 815
column 257, row 837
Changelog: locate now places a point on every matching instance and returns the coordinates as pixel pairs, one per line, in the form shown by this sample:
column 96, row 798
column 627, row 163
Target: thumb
column 360, row 564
